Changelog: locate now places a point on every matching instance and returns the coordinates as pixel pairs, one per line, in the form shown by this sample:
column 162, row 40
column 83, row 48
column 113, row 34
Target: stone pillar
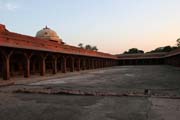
column 72, row 65
column 78, row 64
column 87, row 64
column 27, row 64
column 104, row 65
column 43, row 66
column 33, row 67
column 27, row 67
column 6, row 68
column 6, row 63
column 84, row 64
column 90, row 66
column 54, row 65
column 97, row 63
column 63, row 65
column 101, row 63
column 92, row 63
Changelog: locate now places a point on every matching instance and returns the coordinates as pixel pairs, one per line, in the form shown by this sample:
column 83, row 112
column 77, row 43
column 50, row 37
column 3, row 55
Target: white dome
column 47, row 33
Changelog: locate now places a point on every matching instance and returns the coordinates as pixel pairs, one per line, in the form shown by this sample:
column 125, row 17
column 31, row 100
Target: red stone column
column 33, row 67
column 27, row 64
column 54, row 65
column 87, row 64
column 43, row 66
column 92, row 64
column 84, row 64
column 78, row 64
column 108, row 63
column 63, row 65
column 6, row 68
column 27, row 67
column 98, row 61
column 101, row 64
column 72, row 65
column 111, row 63
column 6, row 54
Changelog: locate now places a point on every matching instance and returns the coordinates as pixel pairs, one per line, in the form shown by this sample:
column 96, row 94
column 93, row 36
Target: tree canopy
column 133, row 51
column 88, row 47
column 178, row 42
column 163, row 49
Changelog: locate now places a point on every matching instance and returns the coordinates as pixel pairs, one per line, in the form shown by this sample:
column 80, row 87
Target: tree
column 178, row 42
column 163, row 49
column 94, row 48
column 133, row 51
column 167, row 49
column 88, row 47
column 80, row 45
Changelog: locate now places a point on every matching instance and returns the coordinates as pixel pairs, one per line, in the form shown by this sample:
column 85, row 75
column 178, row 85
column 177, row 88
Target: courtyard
column 162, row 101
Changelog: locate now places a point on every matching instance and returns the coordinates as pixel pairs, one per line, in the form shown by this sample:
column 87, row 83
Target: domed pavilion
column 48, row 34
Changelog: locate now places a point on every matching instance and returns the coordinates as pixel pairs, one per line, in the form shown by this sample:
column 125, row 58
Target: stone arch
column 35, row 62
column 70, row 63
column 59, row 63
column 17, row 64
column 77, row 63
column 49, row 64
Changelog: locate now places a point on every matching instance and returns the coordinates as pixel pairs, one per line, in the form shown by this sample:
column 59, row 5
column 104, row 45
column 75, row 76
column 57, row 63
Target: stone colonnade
column 149, row 61
column 173, row 60
column 15, row 62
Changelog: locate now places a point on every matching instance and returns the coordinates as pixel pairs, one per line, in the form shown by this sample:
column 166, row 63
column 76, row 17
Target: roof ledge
column 3, row 28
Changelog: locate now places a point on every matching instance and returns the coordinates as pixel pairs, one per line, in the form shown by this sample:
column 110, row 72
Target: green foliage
column 133, row 51
column 178, row 42
column 88, row 47
column 80, row 45
column 159, row 49
column 163, row 49
column 94, row 48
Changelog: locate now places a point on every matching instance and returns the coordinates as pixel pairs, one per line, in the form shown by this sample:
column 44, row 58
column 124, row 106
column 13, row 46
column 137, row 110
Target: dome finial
column 46, row 27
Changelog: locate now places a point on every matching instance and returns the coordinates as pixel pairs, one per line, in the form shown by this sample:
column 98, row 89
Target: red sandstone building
column 23, row 55
column 46, row 53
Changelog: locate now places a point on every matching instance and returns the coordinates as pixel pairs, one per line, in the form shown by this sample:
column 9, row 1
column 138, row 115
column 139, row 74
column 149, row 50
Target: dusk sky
column 112, row 25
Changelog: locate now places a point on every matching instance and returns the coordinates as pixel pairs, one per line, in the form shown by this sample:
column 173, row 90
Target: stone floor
column 159, row 80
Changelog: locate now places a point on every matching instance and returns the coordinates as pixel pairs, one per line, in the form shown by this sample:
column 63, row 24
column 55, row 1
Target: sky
column 113, row 26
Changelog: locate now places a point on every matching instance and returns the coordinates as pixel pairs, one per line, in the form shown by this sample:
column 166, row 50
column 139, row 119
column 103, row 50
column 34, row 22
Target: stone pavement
column 158, row 80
